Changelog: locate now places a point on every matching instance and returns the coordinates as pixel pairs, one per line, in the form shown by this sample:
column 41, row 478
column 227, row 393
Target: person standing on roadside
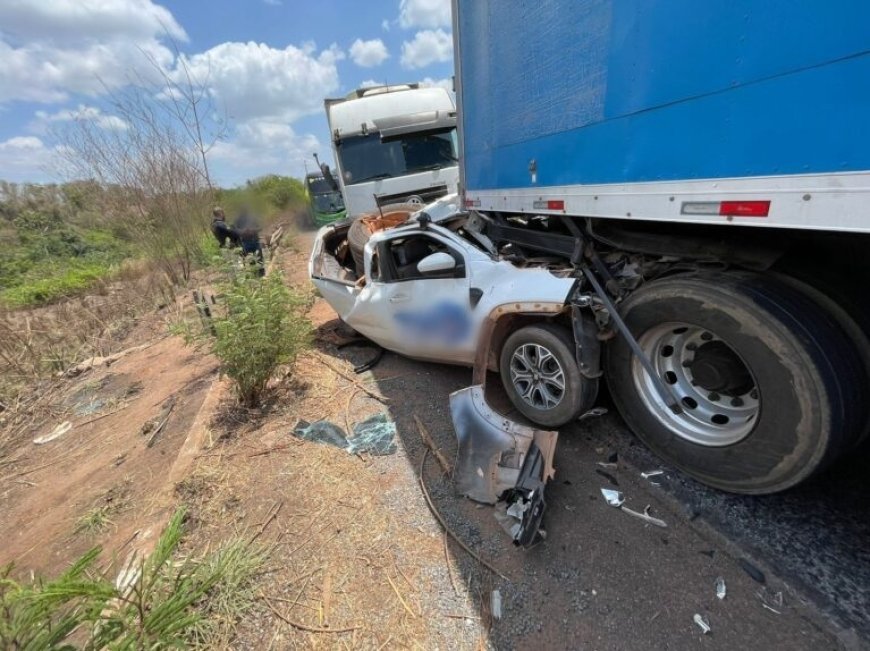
column 247, row 228
column 219, row 228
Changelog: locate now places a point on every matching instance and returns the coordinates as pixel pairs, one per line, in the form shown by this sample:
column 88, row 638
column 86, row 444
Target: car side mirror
column 436, row 262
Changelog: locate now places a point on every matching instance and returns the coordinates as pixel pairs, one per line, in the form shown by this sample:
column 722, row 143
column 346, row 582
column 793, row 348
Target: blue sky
column 269, row 64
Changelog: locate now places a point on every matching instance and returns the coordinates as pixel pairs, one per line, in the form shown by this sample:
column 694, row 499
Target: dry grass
column 39, row 341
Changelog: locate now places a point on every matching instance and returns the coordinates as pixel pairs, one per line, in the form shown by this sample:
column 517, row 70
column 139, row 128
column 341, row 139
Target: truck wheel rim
column 716, row 389
column 537, row 376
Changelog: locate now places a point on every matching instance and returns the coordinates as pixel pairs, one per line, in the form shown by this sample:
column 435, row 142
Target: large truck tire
column 540, row 374
column 364, row 226
column 835, row 305
column 357, row 236
column 764, row 378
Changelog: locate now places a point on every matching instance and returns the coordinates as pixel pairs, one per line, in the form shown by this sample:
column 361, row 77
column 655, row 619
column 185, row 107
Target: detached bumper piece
column 501, row 460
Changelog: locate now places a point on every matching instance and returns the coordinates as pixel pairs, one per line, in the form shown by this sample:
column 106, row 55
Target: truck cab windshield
column 329, row 202
column 365, row 158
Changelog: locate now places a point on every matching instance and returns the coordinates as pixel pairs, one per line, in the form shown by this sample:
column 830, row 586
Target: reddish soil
column 103, row 461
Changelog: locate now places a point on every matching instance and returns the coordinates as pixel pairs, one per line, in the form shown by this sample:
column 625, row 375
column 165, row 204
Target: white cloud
column 50, row 50
column 253, row 80
column 385, row 25
column 262, row 147
column 446, row 83
column 424, row 13
column 83, row 112
column 25, row 158
column 427, row 47
column 368, row 54
column 371, row 83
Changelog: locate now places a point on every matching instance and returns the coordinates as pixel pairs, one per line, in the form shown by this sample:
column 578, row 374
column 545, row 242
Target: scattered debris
column 652, row 473
column 607, row 464
column 375, row 435
column 769, row 600
column 616, row 499
column 702, row 623
column 607, row 476
column 525, row 501
column 56, row 433
column 352, row 380
column 495, row 604
column 430, row 443
column 321, row 431
column 374, row 361
column 88, row 364
column 612, row 497
column 156, row 425
column 595, row 412
column 752, row 571
column 720, row 588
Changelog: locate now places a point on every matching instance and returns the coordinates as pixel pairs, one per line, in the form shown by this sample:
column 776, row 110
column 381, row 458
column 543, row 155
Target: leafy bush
column 167, row 602
column 258, row 326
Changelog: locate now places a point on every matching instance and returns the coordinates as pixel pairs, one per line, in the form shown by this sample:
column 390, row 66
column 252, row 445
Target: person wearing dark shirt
column 247, row 227
column 219, row 228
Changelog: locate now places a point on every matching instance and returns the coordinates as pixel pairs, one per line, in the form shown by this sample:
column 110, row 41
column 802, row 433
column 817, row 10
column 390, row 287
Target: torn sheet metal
column 492, row 448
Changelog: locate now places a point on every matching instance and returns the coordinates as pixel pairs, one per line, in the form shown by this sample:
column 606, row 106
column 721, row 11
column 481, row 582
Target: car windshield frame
column 365, row 158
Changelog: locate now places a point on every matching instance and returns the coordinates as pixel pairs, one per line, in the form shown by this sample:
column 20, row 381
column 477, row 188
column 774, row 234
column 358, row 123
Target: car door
column 416, row 313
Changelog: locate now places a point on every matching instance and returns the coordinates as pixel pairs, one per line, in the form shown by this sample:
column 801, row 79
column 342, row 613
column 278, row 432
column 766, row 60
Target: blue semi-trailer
column 705, row 168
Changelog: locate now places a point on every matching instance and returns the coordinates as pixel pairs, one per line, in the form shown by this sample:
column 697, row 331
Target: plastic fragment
column 652, row 473
column 617, row 499
column 612, row 497
column 595, row 412
column 720, row 588
column 56, row 433
column 702, row 623
column 495, row 604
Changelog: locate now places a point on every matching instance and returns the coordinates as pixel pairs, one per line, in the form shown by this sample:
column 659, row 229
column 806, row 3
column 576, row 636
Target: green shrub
column 258, row 325
column 169, row 602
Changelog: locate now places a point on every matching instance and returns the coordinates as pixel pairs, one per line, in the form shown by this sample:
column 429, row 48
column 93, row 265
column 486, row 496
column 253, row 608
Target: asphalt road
column 605, row 580
column 814, row 537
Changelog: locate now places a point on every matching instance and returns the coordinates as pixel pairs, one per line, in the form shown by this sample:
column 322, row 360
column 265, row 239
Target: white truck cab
column 393, row 144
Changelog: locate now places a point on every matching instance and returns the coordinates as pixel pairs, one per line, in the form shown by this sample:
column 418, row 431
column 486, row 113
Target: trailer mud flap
column 499, row 459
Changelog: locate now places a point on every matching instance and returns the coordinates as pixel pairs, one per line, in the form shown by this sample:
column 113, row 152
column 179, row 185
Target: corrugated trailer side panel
column 633, row 91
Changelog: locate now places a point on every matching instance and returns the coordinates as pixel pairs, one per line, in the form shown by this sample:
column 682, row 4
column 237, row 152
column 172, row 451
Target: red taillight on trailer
column 472, row 203
column 554, row 204
column 744, row 208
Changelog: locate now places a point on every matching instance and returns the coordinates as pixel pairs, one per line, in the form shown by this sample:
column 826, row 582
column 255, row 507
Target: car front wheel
column 541, row 376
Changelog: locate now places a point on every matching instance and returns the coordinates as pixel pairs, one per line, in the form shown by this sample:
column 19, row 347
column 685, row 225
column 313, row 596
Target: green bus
column 325, row 203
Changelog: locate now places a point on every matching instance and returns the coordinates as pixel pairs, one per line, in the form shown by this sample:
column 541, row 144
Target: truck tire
column 357, row 236
column 360, row 230
column 541, row 376
column 835, row 305
column 762, row 374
